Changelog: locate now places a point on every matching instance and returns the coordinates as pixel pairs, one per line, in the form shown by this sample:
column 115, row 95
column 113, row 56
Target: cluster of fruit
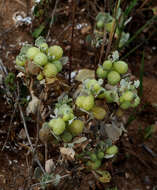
column 112, row 71
column 65, row 130
column 96, row 157
column 46, row 59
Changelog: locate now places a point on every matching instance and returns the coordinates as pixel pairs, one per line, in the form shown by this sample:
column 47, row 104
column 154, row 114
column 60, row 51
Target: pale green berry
column 88, row 103
column 80, row 100
column 40, row 59
column 20, row 61
column 95, row 165
column 93, row 157
column 100, row 24
column 125, row 105
column 40, row 76
column 128, row 96
column 50, row 70
column 113, row 77
column 107, row 65
column 55, row 51
column 57, row 125
column 101, row 73
column 121, row 67
column 58, row 65
column 109, row 97
column 44, row 47
column 66, row 137
column 112, row 150
column 32, row 52
column 98, row 112
column 100, row 155
column 76, row 127
column 136, row 102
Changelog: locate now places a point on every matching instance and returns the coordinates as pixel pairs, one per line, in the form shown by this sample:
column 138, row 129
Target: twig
column 52, row 18
column 72, row 38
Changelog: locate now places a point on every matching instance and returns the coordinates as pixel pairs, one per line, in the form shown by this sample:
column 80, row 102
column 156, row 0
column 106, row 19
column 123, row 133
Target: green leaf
column 37, row 32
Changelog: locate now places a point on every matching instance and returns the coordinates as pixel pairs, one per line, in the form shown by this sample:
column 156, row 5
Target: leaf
column 84, row 74
column 69, row 153
column 33, row 105
column 106, row 17
column 51, row 80
column 37, row 32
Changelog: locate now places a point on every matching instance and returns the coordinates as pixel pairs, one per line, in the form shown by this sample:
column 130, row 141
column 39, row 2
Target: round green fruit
column 40, row 59
column 98, row 112
column 32, row 52
column 57, row 125
column 107, row 65
column 95, row 165
column 100, row 155
column 109, row 97
column 136, row 102
column 76, row 127
column 44, row 47
column 121, row 67
column 20, row 61
column 93, row 84
column 101, row 73
column 66, row 137
column 55, row 51
column 50, row 70
column 113, row 77
column 127, row 96
column 40, row 76
column 88, row 103
column 125, row 105
column 112, row 150
column 58, row 65
column 93, row 157
column 100, row 24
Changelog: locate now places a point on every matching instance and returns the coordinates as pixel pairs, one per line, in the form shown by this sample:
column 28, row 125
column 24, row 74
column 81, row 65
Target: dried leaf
column 33, row 105
column 51, row 80
column 69, row 153
column 105, row 176
column 84, row 74
column 49, row 166
column 22, row 134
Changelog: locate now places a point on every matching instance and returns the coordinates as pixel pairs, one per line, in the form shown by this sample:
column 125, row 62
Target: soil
column 136, row 166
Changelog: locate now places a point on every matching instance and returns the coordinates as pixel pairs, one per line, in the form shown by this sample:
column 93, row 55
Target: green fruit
column 40, row 76
column 44, row 47
column 121, row 67
column 40, row 59
column 100, row 24
column 125, row 105
column 113, row 77
column 58, row 65
column 98, row 112
column 79, row 101
column 32, row 52
column 93, row 84
column 101, row 73
column 76, row 127
column 112, row 150
column 20, row 61
column 107, row 65
column 55, row 51
column 57, row 125
column 127, row 96
column 109, row 97
column 66, row 137
column 50, row 70
column 95, row 165
column 136, row 102
column 100, row 155
column 88, row 103
column 93, row 157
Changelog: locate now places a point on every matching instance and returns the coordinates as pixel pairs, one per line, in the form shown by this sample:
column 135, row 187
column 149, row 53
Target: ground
column 136, row 165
